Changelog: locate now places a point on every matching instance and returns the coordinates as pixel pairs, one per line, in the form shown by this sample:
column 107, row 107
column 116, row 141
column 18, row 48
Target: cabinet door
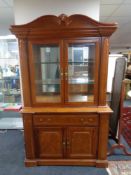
column 81, row 71
column 46, row 71
column 82, row 142
column 49, row 142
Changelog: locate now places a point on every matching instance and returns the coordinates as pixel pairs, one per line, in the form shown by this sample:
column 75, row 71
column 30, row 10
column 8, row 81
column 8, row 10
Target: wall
column 27, row 10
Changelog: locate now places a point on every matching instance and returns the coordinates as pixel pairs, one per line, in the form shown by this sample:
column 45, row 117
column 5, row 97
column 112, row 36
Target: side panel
column 29, row 136
column 103, row 140
column 103, row 71
column 24, row 70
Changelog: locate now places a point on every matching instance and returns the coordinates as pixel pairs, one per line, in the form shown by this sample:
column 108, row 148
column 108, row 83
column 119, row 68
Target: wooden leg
column 103, row 140
column 28, row 135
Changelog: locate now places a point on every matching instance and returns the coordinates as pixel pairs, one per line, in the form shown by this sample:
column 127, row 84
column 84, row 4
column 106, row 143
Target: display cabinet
column 63, row 73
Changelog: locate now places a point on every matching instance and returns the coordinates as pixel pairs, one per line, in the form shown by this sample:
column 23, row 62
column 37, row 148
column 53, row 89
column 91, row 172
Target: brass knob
column 48, row 119
column 61, row 74
column 64, row 143
column 66, row 75
column 90, row 119
column 68, row 143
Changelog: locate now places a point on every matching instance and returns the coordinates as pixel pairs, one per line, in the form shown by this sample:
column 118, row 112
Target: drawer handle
column 82, row 119
column 90, row 120
column 45, row 120
column 41, row 119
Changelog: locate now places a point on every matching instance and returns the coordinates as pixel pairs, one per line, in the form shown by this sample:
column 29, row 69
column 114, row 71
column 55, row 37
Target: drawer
column 90, row 120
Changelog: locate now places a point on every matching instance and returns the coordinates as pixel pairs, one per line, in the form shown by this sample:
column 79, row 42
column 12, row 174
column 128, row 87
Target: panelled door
column 82, row 142
column 49, row 142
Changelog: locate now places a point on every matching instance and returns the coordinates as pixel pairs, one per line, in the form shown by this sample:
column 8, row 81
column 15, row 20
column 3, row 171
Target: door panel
column 81, row 71
column 49, row 142
column 82, row 142
column 46, row 70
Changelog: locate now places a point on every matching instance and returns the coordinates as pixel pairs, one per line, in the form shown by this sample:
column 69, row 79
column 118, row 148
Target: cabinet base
column 53, row 162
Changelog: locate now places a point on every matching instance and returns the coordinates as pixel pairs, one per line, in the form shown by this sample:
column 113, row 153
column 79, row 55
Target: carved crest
column 64, row 19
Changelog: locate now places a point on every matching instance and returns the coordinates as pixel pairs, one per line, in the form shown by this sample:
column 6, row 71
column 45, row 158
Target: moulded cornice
column 64, row 25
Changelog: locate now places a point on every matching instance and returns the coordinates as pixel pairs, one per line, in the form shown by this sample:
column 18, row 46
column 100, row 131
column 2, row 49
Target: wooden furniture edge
column 66, row 110
column 66, row 162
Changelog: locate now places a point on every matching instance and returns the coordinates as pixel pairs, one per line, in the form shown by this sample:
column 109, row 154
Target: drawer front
column 84, row 119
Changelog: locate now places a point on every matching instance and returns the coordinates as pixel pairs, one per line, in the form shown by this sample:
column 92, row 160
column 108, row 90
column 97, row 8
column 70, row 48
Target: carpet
column 12, row 160
column 119, row 168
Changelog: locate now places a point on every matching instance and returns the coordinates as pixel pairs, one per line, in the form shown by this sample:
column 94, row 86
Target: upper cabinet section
column 64, row 60
column 63, row 26
column 64, row 72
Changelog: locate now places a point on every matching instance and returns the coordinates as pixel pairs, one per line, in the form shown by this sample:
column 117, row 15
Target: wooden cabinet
column 63, row 64
column 66, row 142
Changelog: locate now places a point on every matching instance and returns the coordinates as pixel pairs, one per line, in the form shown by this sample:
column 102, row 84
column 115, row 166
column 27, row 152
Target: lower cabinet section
column 66, row 139
column 71, row 142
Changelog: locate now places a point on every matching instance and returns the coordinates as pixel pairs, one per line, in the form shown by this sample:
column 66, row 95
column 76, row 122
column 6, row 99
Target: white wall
column 28, row 10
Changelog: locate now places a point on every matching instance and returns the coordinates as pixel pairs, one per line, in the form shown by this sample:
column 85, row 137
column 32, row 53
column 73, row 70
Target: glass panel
column 9, row 73
column 81, row 62
column 47, row 73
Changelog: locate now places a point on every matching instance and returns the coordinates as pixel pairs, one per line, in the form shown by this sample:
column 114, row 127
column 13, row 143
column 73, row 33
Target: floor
column 10, row 120
column 11, row 123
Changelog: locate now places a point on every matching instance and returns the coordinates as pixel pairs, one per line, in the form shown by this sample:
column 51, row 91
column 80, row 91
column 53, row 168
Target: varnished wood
column 103, row 71
column 29, row 136
column 78, row 162
column 79, row 26
column 65, row 120
column 49, row 142
column 65, row 110
column 82, row 142
column 24, row 68
column 63, row 132
column 103, row 136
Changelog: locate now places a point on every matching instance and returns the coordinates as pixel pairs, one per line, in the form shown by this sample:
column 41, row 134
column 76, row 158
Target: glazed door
column 49, row 142
column 46, row 72
column 82, row 142
column 81, row 71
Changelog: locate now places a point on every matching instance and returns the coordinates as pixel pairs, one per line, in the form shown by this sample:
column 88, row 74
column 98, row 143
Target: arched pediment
column 65, row 23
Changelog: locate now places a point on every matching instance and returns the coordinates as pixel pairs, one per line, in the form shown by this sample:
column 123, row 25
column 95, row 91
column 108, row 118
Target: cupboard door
column 46, row 72
column 81, row 71
column 82, row 142
column 49, row 142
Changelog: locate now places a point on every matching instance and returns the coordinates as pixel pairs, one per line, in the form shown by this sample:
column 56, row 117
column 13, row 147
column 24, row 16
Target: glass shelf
column 49, row 81
column 51, row 62
column 80, row 81
column 90, row 61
